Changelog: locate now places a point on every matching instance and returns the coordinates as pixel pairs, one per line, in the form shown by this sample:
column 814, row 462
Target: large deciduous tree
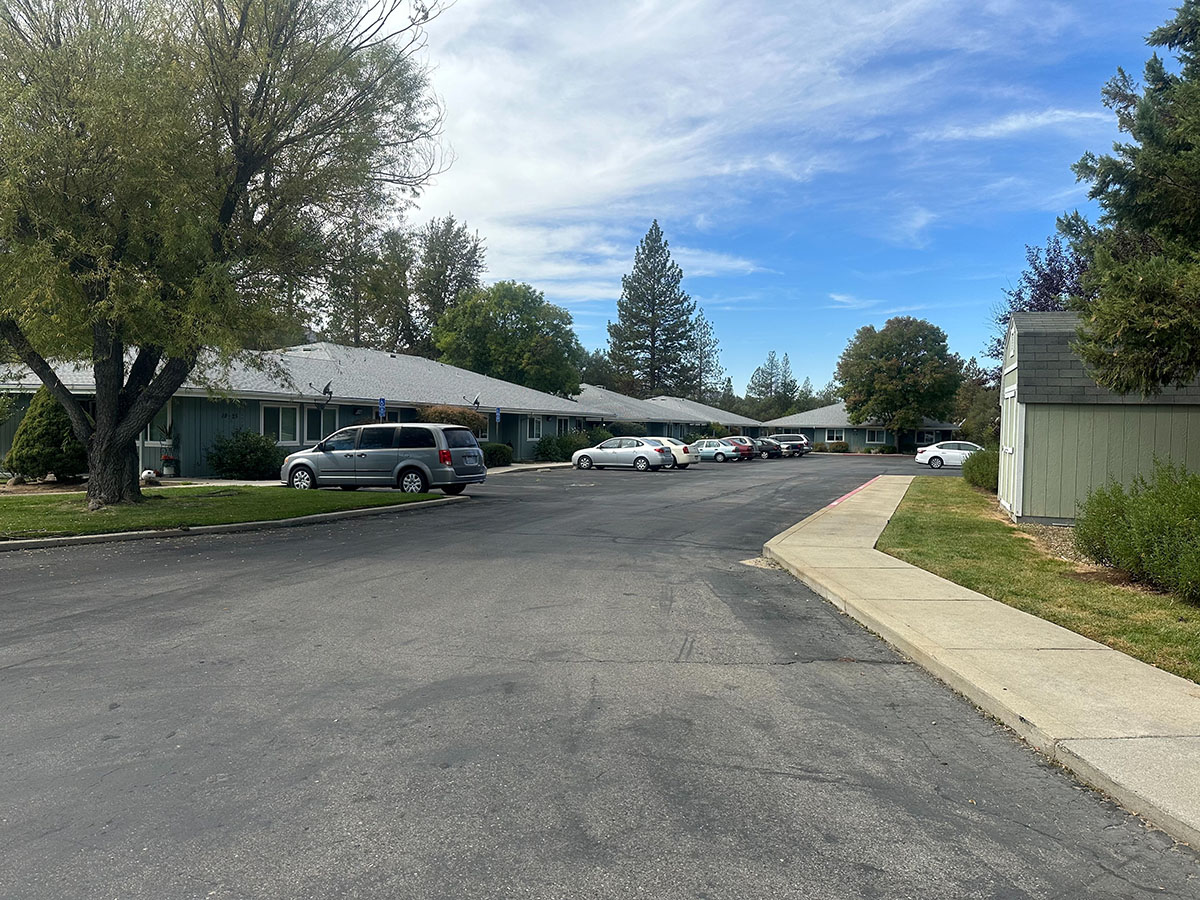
column 1140, row 328
column 652, row 335
column 509, row 331
column 1052, row 277
column 169, row 173
column 899, row 374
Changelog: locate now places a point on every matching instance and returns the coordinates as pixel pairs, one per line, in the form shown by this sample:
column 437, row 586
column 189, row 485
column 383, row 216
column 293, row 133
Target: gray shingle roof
column 835, row 416
column 619, row 407
column 358, row 376
column 1049, row 371
column 682, row 407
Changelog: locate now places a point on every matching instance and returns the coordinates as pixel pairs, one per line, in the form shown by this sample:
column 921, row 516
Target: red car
column 745, row 446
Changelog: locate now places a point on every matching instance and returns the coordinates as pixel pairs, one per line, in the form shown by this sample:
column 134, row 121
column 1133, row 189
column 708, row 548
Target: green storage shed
column 1062, row 435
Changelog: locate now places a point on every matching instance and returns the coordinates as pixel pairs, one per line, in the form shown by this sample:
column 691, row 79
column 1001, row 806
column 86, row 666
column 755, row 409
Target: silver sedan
column 642, row 454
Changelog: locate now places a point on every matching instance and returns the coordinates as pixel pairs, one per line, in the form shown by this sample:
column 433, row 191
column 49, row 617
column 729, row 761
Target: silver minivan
column 413, row 457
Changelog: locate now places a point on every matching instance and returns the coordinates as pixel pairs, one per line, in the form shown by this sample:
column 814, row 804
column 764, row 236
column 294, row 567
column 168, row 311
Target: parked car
column 683, row 455
column 717, row 449
column 642, row 454
column 946, row 453
column 413, row 457
column 793, row 444
column 745, row 445
column 768, row 449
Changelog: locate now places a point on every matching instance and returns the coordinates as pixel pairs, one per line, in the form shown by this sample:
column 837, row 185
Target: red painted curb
column 853, row 492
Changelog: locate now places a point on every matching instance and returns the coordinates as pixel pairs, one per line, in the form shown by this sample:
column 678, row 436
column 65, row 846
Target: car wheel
column 672, row 464
column 349, row 487
column 453, row 489
column 682, row 465
column 584, row 462
column 302, row 479
column 935, row 462
column 413, row 481
column 720, row 457
column 641, row 464
column 764, row 454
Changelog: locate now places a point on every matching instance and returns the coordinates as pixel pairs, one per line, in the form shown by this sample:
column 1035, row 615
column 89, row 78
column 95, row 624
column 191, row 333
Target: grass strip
column 59, row 515
column 947, row 527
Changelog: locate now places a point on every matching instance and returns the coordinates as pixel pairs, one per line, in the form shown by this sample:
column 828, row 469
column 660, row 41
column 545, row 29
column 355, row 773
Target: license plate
column 470, row 459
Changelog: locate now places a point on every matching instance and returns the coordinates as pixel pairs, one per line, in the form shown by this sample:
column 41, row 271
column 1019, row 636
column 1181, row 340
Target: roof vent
column 392, row 355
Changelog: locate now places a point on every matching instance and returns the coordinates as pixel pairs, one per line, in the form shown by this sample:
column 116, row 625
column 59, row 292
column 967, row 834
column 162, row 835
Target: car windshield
column 459, row 437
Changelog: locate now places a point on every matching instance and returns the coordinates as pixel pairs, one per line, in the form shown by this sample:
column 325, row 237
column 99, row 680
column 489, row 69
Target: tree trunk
column 113, row 473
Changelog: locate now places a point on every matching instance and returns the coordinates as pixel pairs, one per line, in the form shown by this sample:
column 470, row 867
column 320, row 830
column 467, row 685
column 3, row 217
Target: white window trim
column 835, row 440
column 530, row 427
column 879, row 431
column 262, row 416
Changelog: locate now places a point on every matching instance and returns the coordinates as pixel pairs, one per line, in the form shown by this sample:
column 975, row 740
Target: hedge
column 1151, row 531
column 453, row 415
column 245, row 454
column 982, row 469
column 839, row 447
column 496, row 456
column 558, row 448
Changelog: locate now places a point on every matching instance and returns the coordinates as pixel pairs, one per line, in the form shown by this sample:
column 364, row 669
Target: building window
column 564, row 426
column 834, row 434
column 158, row 431
column 927, row 437
column 483, row 432
column 875, row 435
column 535, row 428
column 280, row 423
column 319, row 423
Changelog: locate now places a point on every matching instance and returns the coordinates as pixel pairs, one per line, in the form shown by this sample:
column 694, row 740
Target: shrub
column 559, row 448
column 44, row 442
column 887, row 448
column 453, row 415
column 982, row 469
column 821, row 448
column 717, row 430
column 628, row 429
column 497, row 455
column 598, row 436
column 245, row 454
column 547, row 449
column 1151, row 530
column 839, row 447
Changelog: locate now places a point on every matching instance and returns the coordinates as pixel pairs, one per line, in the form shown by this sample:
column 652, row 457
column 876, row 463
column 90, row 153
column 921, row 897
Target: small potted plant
column 170, row 439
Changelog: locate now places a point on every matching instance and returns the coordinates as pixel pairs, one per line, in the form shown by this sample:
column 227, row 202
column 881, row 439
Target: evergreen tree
column 705, row 353
column 727, row 399
column 44, row 441
column 764, row 383
column 827, row 395
column 652, row 335
column 449, row 265
column 787, row 388
column 805, row 396
column 1141, row 320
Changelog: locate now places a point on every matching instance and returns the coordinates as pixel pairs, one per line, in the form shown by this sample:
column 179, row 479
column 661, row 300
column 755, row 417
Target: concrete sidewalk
column 1123, row 726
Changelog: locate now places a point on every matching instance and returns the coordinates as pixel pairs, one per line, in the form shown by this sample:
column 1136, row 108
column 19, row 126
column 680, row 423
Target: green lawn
column 951, row 529
column 54, row 515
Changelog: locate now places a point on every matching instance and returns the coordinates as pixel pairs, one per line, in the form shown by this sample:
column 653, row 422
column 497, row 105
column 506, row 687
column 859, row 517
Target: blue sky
column 816, row 167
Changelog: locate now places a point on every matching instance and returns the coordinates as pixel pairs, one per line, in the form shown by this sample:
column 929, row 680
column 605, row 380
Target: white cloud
column 1018, row 123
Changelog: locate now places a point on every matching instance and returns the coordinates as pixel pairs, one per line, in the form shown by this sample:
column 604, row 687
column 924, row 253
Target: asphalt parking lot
column 571, row 686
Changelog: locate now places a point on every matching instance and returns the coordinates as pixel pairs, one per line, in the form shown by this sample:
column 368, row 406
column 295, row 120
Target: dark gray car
column 413, row 457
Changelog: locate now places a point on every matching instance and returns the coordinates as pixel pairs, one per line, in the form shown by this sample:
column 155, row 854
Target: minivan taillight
column 444, row 458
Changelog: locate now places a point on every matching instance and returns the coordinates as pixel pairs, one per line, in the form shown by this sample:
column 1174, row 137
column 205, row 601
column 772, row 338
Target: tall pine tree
column 707, row 373
column 653, row 332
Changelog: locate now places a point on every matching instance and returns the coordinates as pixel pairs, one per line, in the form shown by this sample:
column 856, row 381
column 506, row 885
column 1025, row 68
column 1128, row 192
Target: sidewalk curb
column 230, row 528
column 1060, row 750
column 517, row 470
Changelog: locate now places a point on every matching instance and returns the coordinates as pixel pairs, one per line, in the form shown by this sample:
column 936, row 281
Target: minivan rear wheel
column 413, row 481
column 453, row 488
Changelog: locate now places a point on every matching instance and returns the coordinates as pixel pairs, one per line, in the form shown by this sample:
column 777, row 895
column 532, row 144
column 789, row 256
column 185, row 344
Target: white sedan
column 683, row 454
column 946, row 453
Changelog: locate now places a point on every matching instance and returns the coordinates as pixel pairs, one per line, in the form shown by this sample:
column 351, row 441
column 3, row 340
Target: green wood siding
column 1071, row 449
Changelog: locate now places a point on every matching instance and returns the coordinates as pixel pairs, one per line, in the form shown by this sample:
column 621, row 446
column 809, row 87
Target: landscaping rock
column 16, row 480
